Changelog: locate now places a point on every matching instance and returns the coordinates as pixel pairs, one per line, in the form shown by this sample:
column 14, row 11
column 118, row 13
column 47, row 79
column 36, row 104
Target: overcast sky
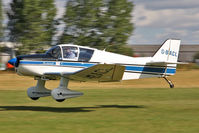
column 157, row 20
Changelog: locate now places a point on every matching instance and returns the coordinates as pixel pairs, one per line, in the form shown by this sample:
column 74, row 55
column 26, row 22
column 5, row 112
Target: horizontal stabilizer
column 164, row 63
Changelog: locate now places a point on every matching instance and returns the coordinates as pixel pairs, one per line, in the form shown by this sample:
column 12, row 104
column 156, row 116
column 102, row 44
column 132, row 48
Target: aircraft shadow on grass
column 65, row 109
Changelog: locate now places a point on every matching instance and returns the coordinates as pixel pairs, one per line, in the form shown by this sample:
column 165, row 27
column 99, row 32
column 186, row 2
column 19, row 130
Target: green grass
column 120, row 110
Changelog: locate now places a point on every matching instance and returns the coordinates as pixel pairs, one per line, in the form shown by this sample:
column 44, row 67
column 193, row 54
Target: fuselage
column 55, row 60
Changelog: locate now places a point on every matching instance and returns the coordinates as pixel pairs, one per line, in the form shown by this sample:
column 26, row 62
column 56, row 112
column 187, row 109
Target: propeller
column 12, row 63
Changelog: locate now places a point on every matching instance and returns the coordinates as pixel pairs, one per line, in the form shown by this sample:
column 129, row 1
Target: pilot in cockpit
column 68, row 53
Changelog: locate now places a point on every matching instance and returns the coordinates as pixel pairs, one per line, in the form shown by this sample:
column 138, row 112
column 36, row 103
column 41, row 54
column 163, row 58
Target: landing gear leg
column 169, row 82
column 62, row 92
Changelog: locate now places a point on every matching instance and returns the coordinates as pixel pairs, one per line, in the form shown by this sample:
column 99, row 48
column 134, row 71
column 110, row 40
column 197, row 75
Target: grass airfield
column 136, row 106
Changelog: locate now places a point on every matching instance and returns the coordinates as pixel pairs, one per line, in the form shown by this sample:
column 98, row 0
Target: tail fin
column 168, row 52
column 167, row 55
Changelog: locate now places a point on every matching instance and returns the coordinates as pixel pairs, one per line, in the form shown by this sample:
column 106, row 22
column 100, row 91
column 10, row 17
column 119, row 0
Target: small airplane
column 72, row 62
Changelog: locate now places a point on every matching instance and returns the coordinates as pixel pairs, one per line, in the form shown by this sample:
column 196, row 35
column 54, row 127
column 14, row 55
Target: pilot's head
column 68, row 50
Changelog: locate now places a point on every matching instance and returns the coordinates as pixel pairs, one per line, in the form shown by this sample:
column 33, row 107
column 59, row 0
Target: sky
column 156, row 20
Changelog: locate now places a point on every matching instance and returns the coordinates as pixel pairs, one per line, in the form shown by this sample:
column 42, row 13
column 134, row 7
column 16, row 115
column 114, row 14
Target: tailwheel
column 172, row 86
column 34, row 98
column 60, row 100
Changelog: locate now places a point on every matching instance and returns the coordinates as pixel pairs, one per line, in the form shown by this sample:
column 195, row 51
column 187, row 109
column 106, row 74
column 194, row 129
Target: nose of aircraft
column 13, row 61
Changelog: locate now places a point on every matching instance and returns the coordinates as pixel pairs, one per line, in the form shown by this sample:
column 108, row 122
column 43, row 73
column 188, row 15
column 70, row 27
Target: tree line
column 102, row 24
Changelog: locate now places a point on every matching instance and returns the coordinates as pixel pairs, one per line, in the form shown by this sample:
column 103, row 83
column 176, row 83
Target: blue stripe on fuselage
column 76, row 64
column 151, row 69
column 171, row 70
column 54, row 63
column 145, row 69
column 148, row 69
column 32, row 62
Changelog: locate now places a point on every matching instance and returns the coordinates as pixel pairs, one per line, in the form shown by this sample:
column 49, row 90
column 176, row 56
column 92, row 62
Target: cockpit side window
column 55, row 52
column 85, row 54
column 70, row 52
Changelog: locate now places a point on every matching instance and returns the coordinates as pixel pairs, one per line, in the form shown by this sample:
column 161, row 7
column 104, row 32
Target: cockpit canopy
column 73, row 53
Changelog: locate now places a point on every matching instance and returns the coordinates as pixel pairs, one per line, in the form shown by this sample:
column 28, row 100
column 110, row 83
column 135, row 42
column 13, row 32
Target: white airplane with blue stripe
column 72, row 62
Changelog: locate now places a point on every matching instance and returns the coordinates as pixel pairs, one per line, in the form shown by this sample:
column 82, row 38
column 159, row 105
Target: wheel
column 172, row 86
column 34, row 98
column 60, row 100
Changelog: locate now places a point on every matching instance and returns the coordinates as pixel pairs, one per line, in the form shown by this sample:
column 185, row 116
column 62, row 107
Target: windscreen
column 55, row 52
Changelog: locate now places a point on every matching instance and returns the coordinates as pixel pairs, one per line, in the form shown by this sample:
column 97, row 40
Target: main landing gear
column 62, row 92
column 59, row 94
column 169, row 82
column 38, row 91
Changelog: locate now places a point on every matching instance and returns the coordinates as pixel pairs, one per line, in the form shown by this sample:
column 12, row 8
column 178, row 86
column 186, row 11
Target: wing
column 100, row 72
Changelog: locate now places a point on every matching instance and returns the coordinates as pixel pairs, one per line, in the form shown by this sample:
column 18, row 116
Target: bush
column 196, row 56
